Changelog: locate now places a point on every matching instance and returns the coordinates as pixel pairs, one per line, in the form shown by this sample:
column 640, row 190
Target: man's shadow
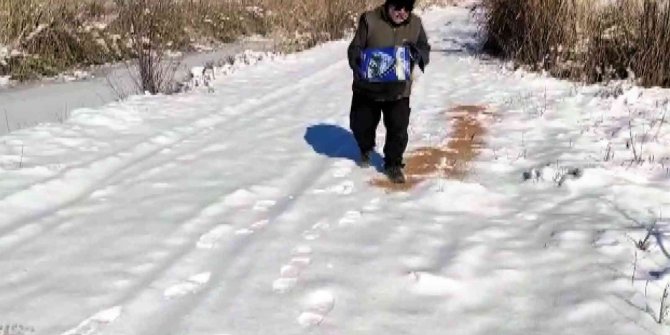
column 336, row 142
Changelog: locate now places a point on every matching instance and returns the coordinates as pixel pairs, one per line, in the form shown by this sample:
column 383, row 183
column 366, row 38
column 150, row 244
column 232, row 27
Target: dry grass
column 652, row 63
column 584, row 39
column 305, row 23
column 150, row 26
column 49, row 36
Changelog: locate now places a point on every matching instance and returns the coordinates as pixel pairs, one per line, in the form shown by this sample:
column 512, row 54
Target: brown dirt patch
column 450, row 161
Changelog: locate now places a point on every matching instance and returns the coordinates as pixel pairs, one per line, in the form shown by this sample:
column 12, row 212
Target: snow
column 4, row 54
column 240, row 210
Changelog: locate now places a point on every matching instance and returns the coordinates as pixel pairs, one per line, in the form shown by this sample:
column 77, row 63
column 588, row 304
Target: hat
column 409, row 4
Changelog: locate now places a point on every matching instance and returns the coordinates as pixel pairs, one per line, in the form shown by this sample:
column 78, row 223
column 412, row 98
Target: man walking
column 391, row 25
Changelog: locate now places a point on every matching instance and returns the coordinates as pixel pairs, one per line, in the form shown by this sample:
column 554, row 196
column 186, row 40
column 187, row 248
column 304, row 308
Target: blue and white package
column 385, row 64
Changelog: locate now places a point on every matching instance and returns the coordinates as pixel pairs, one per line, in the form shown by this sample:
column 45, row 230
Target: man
column 390, row 25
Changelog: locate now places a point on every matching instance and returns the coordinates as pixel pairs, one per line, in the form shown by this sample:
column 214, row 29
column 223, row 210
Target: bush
column 652, row 62
column 584, row 40
column 48, row 34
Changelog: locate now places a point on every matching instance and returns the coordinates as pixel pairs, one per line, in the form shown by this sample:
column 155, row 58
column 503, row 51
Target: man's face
column 398, row 14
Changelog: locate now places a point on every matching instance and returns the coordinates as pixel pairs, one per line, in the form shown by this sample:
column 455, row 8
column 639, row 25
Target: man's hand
column 420, row 50
column 413, row 50
column 414, row 55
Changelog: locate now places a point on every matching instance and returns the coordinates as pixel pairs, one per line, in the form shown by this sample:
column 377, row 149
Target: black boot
column 364, row 162
column 395, row 175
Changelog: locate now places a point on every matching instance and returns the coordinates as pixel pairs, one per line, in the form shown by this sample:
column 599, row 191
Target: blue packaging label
column 385, row 64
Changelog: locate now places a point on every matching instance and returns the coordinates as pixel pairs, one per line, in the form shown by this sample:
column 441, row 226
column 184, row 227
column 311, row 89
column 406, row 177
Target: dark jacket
column 377, row 30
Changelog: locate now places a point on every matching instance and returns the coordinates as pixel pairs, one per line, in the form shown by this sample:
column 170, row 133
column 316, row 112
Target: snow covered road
column 242, row 211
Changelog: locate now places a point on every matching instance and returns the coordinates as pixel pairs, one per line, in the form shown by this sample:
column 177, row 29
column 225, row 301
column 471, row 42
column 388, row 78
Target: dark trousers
column 364, row 118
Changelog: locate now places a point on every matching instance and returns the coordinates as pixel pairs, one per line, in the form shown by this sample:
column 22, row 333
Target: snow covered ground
column 241, row 211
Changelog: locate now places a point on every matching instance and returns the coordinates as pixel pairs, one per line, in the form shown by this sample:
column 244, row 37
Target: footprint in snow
column 264, row 205
column 317, row 305
column 302, row 250
column 573, row 239
column 244, row 231
column 191, row 285
column 373, row 205
column 428, row 284
column 284, row 284
column 344, row 188
column 260, row 224
column 321, row 225
column 211, row 239
column 254, row 228
column 94, row 324
column 289, row 273
column 313, row 233
column 310, row 235
column 350, row 218
column 341, row 170
column 239, row 198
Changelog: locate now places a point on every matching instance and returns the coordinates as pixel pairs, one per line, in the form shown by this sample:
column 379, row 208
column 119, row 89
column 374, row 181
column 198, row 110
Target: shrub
column 583, row 39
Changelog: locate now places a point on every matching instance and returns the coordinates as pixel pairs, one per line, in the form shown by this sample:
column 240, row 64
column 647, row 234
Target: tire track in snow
column 143, row 152
column 227, row 128
column 232, row 265
column 16, row 245
column 86, row 163
column 227, row 267
column 268, row 101
column 243, row 243
column 317, row 303
column 300, row 258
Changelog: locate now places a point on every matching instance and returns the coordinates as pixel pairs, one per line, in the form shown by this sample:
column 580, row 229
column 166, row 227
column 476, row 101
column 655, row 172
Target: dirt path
column 449, row 161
